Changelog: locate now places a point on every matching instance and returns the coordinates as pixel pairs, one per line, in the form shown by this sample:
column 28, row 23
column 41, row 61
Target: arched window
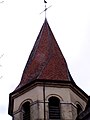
column 79, row 109
column 54, row 108
column 26, row 111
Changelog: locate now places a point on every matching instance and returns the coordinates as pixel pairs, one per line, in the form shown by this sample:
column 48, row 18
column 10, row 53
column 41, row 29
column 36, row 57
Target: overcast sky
column 20, row 23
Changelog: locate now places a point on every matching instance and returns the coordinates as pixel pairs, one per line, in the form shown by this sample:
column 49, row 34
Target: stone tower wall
column 67, row 97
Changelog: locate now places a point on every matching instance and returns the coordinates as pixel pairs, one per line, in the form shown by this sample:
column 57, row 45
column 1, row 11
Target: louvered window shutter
column 54, row 108
column 26, row 111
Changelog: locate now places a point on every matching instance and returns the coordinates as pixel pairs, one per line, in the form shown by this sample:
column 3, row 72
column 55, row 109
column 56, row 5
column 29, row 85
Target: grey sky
column 20, row 23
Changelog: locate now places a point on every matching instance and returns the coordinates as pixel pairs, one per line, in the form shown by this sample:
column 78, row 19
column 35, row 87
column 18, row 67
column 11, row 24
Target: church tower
column 46, row 90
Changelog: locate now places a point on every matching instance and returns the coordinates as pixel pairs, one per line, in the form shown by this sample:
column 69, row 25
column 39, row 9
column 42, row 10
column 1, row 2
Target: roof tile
column 46, row 60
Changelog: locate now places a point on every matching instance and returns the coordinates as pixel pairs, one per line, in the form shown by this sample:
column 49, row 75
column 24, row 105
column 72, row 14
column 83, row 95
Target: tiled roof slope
column 46, row 60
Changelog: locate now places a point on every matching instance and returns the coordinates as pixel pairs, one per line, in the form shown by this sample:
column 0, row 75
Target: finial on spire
column 45, row 8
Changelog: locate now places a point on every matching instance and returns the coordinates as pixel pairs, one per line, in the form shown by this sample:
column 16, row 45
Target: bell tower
column 47, row 90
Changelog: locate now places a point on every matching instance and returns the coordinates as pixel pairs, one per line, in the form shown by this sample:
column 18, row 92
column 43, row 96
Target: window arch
column 79, row 109
column 26, row 111
column 54, row 108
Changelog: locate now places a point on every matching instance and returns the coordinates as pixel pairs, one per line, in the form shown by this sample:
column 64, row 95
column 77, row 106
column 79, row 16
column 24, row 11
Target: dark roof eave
column 47, row 81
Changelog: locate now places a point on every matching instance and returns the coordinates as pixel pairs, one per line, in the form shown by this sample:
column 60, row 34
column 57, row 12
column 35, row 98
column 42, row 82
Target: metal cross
column 45, row 8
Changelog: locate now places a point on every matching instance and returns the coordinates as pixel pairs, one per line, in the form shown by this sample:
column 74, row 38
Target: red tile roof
column 46, row 60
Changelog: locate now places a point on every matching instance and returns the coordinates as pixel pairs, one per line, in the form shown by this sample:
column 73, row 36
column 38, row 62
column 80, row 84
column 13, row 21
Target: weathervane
column 45, row 8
